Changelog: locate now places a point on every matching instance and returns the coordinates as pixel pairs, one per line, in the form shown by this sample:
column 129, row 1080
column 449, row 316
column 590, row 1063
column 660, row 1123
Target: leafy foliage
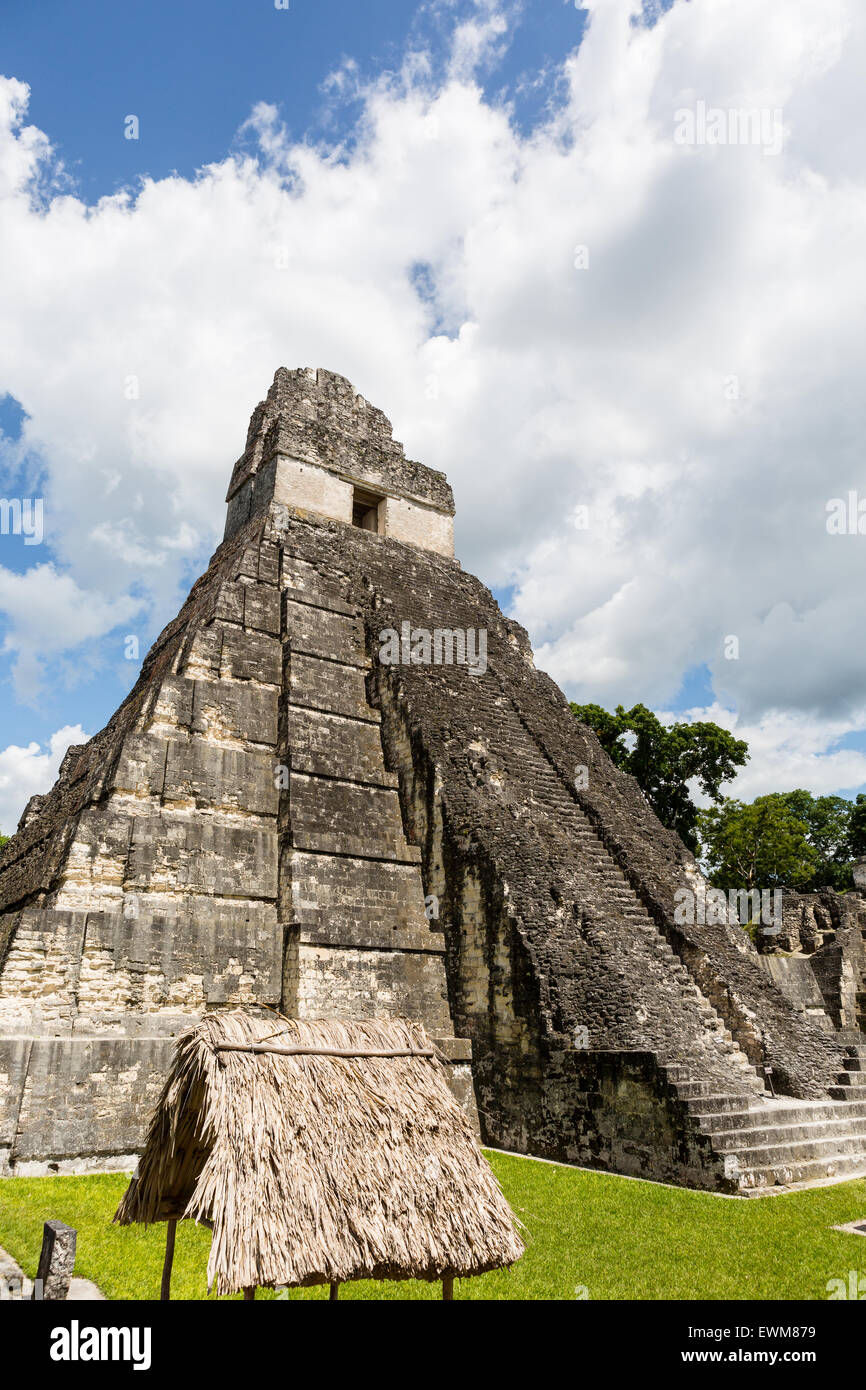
column 762, row 845
column 790, row 839
column 857, row 828
column 664, row 758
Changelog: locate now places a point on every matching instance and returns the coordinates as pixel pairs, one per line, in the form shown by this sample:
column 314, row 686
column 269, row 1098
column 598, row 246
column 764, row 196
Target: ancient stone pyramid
column 340, row 788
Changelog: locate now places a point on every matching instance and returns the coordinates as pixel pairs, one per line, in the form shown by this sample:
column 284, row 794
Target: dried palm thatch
column 319, row 1168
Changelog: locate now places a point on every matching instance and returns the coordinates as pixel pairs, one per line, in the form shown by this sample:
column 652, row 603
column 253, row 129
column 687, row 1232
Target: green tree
column 828, row 830
column 857, row 828
column 4, row 840
column 664, row 758
column 762, row 845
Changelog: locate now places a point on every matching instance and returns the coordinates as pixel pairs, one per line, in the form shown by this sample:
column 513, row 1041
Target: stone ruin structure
column 278, row 817
column 817, row 957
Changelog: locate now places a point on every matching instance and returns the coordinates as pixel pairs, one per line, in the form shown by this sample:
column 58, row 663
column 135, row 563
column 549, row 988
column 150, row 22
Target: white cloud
column 478, row 40
column 26, row 771
column 698, row 387
column 787, row 751
column 48, row 614
column 23, row 148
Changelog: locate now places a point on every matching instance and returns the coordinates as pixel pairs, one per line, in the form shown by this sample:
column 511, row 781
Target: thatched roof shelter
column 319, row 1152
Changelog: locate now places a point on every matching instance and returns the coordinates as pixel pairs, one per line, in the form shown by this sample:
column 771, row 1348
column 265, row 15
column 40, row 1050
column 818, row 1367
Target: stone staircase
column 861, row 993
column 764, row 1140
column 723, row 1056
column 777, row 1141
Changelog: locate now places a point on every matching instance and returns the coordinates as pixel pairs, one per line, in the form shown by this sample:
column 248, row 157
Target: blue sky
column 427, row 174
column 192, row 71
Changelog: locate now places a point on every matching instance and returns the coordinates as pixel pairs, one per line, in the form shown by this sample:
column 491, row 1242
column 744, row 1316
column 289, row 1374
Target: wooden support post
column 334, row 1295
column 165, row 1290
column 249, row 1292
column 448, row 1287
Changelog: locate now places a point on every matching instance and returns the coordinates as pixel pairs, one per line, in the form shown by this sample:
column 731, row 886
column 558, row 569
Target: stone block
column 189, row 851
column 262, row 608
column 56, row 1261
column 347, row 898
column 331, row 745
column 348, row 819
column 85, row 1098
column 226, row 711
column 251, row 656
column 319, row 632
column 233, row 779
column 329, row 685
column 339, row 982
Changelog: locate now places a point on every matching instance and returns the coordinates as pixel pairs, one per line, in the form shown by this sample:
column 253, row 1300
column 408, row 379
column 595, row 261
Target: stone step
column 812, row 1170
column 775, row 1155
column 687, row 1090
column 852, row 1081
column 721, row 1105
column 792, row 1134
column 847, row 1093
column 728, row 1116
column 725, row 1051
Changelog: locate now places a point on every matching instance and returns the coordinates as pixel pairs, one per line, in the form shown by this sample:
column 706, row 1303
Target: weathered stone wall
column 233, row 837
column 823, row 936
column 807, row 919
column 626, row 1116
column 798, row 982
column 312, row 489
column 163, row 900
column 73, row 1103
column 415, row 525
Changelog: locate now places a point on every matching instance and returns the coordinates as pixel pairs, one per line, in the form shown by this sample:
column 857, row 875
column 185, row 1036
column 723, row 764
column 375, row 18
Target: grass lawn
column 589, row 1235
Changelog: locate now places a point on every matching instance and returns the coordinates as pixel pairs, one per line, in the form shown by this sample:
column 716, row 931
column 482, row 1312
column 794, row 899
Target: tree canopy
column 857, row 827
column 790, row 839
column 664, row 758
column 762, row 845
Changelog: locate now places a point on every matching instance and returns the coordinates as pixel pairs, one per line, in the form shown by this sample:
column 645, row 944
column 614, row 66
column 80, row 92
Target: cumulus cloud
column 26, row 771
column 48, row 614
column 787, row 750
column 589, row 314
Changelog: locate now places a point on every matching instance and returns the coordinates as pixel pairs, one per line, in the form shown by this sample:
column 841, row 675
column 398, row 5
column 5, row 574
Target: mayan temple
column 341, row 789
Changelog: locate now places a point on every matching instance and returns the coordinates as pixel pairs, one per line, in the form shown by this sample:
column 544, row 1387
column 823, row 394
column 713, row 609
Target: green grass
column 614, row 1238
